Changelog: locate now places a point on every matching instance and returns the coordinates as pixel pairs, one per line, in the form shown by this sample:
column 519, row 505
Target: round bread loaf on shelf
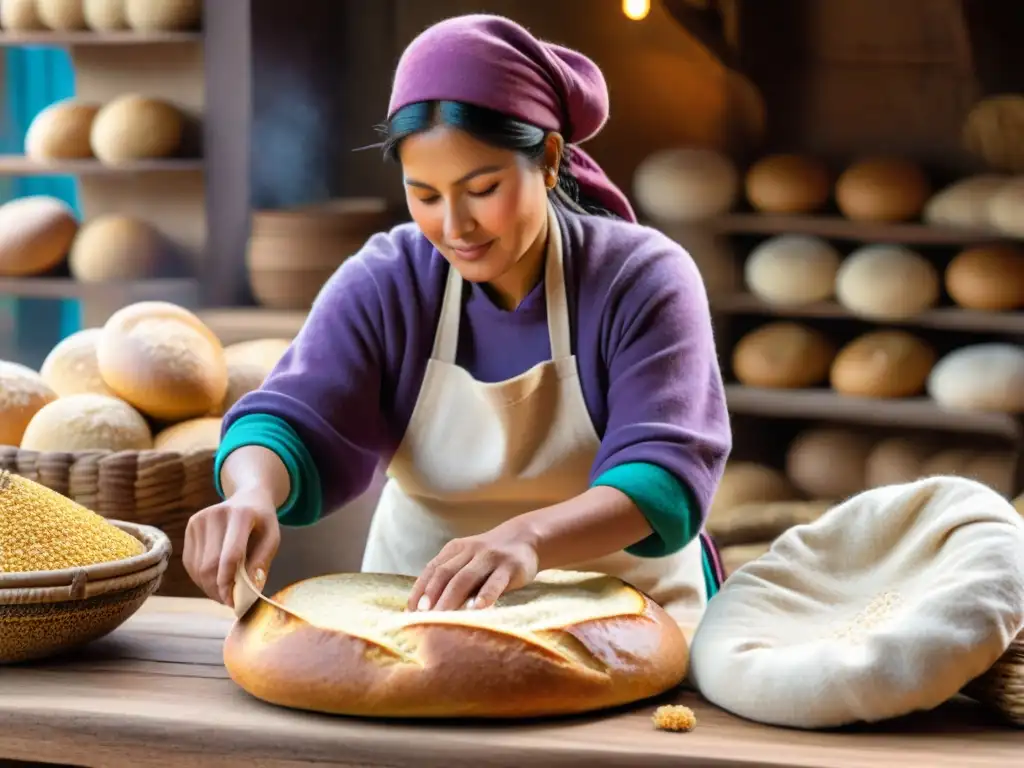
column 566, row 643
column 163, row 360
column 1006, row 208
column 61, row 15
column 783, row 355
column 883, row 364
column 987, row 277
column 882, row 189
column 20, row 16
column 829, row 463
column 744, row 482
column 104, row 15
column 994, row 469
column 61, row 131
column 980, row 377
column 23, row 392
column 790, row 270
column 35, row 234
column 163, row 15
column 788, row 184
column 887, row 604
column 249, row 363
column 964, row 203
column 118, row 247
column 887, row 282
column 134, row 127
column 686, row 184
column 87, row 423
column 897, row 460
column 71, row 367
column 192, row 435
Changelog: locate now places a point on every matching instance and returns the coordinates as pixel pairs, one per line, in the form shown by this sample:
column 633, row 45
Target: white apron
column 476, row 454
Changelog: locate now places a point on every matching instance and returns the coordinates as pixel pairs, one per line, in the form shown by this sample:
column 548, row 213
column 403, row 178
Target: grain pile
column 41, row 530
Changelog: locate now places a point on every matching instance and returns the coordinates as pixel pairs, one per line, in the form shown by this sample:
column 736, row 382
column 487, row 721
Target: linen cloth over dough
column 889, row 603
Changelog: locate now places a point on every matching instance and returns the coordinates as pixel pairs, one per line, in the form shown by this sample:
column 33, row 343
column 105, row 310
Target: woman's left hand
column 475, row 571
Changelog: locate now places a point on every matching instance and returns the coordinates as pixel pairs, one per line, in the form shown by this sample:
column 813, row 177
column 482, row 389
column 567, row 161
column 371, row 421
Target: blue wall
column 35, row 78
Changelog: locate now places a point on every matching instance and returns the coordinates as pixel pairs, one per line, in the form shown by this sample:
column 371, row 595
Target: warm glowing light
column 636, row 9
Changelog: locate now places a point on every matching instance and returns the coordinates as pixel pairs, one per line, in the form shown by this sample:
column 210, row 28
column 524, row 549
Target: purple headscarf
column 492, row 62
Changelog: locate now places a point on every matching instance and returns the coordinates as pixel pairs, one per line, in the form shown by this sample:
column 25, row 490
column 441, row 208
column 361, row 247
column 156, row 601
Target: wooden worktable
column 155, row 693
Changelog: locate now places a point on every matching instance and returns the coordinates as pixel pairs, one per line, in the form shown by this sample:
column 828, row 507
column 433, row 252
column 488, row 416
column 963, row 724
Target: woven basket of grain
column 1001, row 688
column 158, row 489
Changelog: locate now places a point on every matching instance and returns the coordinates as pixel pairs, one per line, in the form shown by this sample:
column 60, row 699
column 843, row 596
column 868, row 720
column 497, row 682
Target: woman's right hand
column 218, row 537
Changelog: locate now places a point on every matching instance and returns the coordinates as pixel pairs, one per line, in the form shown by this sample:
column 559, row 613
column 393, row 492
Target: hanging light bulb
column 636, row 9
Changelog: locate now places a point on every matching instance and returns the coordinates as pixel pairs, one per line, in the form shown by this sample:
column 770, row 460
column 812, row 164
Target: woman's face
column 483, row 208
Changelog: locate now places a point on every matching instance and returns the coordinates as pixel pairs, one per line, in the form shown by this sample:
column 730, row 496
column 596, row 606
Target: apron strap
column 446, row 340
column 554, row 281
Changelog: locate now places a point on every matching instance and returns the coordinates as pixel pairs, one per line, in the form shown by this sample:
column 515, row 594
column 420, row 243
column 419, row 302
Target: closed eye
column 489, row 191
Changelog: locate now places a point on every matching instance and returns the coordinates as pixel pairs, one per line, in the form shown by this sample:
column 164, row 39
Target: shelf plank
column 19, row 165
column 910, row 413
column 839, row 228
column 235, row 324
column 181, row 291
column 88, row 37
column 944, row 318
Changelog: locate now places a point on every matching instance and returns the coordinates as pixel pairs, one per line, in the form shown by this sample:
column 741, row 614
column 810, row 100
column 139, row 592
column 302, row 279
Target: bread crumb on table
column 674, row 717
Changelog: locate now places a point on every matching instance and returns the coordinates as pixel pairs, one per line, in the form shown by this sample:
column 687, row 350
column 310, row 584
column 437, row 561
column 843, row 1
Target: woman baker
column 536, row 369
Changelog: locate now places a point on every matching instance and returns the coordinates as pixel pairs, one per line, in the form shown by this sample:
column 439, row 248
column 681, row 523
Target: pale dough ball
column 829, row 463
column 887, row 282
column 22, row 394
column 882, row 189
column 249, row 364
column 35, row 235
column 163, row 15
column 163, row 360
column 686, row 184
column 87, row 423
column 884, row 364
column 980, row 377
column 20, row 16
column 987, row 277
column 747, row 481
column 61, row 132
column 792, row 269
column 188, row 436
column 104, row 15
column 783, row 355
column 134, row 127
column 1006, row 208
column 117, row 247
column 71, row 367
column 61, row 15
column 897, row 460
column 964, row 203
column 788, row 184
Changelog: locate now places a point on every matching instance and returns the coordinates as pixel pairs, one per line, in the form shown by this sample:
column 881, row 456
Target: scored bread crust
column 445, row 668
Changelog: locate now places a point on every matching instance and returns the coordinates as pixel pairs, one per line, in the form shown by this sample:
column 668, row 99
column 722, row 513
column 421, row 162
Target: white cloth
column 476, row 454
column 889, row 603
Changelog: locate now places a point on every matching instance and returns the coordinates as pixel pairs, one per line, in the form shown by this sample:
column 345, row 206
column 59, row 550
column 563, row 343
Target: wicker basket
column 1001, row 688
column 153, row 488
column 45, row 613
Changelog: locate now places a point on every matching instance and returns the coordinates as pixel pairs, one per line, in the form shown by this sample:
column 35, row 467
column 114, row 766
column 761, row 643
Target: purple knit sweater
column 641, row 334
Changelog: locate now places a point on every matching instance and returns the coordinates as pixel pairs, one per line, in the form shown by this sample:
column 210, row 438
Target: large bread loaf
column 568, row 643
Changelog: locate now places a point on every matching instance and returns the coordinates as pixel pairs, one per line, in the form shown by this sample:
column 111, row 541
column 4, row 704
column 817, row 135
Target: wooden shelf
column 839, row 228
column 911, row 413
column 945, row 318
column 19, row 165
column 85, row 37
column 179, row 291
column 234, row 324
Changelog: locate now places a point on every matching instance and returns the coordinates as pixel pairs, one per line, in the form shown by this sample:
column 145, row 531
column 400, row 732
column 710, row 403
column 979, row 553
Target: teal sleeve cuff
column 304, row 503
column 667, row 504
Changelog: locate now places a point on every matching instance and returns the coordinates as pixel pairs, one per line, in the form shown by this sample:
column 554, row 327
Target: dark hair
column 493, row 128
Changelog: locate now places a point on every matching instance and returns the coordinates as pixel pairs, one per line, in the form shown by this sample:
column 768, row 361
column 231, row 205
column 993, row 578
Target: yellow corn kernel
column 41, row 530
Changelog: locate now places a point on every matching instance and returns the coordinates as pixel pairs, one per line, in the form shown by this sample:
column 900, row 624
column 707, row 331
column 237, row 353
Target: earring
column 551, row 178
